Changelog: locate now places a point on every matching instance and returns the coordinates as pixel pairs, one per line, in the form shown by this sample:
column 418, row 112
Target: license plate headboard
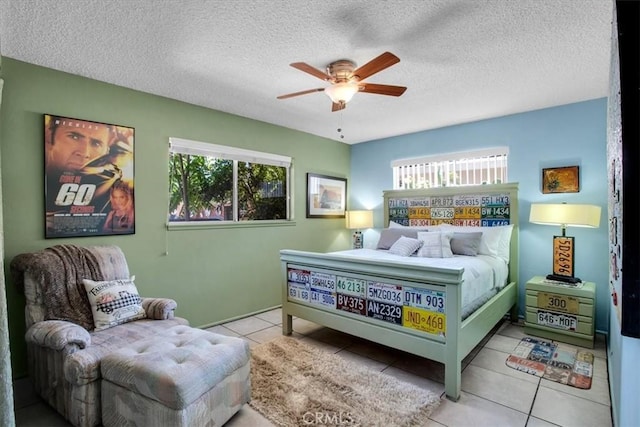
column 471, row 206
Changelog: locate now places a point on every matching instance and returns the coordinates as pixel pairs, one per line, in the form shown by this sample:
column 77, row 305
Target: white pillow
column 495, row 241
column 113, row 302
column 504, row 250
column 405, row 246
column 435, row 244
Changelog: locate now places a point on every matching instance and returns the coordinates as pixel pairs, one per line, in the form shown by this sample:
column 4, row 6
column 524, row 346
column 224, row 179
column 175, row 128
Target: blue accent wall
column 567, row 135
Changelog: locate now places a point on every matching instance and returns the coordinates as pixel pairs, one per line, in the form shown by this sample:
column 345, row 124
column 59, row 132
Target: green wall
column 213, row 274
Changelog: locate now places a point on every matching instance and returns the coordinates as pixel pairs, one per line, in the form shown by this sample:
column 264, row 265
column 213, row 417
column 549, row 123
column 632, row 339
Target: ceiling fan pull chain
column 340, row 125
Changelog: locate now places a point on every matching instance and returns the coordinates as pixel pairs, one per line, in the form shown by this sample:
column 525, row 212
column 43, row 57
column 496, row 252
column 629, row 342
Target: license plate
column 495, row 212
column 419, row 212
column 398, row 212
column 298, row 292
column 420, row 222
column 395, row 203
column 464, row 200
column 384, row 292
column 493, row 222
column 557, row 320
column 466, row 222
column 556, row 302
column 442, row 221
column 352, row 304
column 468, row 213
column 420, row 202
column 299, row 276
column 495, row 200
column 387, row 312
column 351, row 286
column 423, row 320
column 442, row 213
column 425, row 299
column 323, row 298
column 323, row 281
column 441, row 202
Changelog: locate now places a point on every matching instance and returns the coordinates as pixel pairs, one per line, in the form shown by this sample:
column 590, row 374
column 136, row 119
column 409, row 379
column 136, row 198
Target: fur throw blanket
column 59, row 270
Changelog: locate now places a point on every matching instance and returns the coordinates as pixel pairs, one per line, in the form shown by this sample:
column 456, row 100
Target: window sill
column 207, row 225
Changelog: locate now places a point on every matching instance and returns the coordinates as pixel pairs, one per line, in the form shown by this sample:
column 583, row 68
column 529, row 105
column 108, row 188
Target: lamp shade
column 565, row 215
column 359, row 219
column 341, row 92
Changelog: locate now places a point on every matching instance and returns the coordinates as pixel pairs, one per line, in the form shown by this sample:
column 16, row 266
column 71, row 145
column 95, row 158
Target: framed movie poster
column 89, row 185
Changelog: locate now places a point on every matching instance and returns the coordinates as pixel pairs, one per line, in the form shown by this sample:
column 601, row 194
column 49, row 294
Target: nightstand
column 560, row 312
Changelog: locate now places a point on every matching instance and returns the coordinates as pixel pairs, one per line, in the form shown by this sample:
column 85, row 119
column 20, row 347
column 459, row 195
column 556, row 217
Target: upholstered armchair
column 64, row 347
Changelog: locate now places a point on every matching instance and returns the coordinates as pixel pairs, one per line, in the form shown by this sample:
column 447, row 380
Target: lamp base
column 565, row 279
column 357, row 240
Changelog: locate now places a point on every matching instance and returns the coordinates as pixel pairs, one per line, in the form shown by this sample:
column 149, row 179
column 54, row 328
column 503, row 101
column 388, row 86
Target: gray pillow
column 466, row 243
column 389, row 236
column 405, row 246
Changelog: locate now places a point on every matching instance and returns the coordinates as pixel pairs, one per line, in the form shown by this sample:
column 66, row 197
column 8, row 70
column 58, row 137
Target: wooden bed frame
column 460, row 336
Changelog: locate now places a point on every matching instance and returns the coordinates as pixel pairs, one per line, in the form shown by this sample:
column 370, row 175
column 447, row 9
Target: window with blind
column 209, row 182
column 488, row 166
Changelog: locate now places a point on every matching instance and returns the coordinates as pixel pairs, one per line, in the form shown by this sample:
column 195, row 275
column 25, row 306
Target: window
column 487, row 166
column 210, row 182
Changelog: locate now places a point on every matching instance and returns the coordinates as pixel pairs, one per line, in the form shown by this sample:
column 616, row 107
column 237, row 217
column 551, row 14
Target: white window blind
column 485, row 166
column 198, row 148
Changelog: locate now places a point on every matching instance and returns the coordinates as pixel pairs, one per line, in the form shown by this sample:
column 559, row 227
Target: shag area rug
column 296, row 384
column 544, row 359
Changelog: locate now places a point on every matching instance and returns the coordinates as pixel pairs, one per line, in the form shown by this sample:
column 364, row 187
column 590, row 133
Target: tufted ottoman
column 183, row 377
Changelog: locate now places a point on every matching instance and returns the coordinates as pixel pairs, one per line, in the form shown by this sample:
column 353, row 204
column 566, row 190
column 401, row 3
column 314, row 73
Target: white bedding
column 483, row 274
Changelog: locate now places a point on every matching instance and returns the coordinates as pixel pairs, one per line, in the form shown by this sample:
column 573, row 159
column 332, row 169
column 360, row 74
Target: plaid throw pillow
column 113, row 302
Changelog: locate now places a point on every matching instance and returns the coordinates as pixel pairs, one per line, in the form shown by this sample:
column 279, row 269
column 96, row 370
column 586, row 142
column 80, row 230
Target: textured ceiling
column 461, row 60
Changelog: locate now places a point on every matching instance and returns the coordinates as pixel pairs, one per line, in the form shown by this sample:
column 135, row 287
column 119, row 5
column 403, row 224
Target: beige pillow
column 113, row 302
column 435, row 244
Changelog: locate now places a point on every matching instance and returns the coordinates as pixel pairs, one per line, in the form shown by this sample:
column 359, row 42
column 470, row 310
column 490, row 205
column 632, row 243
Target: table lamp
column 564, row 215
column 356, row 220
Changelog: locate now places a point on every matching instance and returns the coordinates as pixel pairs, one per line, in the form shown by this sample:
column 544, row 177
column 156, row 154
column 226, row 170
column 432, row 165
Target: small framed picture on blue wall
column 564, row 179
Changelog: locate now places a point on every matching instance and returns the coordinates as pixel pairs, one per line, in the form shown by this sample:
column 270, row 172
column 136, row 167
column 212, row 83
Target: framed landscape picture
column 88, row 178
column 326, row 196
column 561, row 180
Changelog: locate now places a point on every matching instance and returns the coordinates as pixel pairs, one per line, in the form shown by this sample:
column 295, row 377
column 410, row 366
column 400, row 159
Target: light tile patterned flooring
column 492, row 393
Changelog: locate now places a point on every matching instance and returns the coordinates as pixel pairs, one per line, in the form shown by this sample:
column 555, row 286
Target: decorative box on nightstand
column 560, row 312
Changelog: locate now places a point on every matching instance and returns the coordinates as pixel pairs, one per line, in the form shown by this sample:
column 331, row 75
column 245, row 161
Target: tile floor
column 492, row 393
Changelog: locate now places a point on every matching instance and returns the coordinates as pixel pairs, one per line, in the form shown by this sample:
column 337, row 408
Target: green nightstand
column 560, row 312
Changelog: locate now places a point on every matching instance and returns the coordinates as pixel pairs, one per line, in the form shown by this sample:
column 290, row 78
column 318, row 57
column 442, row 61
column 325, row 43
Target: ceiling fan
column 346, row 80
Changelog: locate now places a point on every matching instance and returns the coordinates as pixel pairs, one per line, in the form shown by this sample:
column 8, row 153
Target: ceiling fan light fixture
column 346, row 79
column 342, row 92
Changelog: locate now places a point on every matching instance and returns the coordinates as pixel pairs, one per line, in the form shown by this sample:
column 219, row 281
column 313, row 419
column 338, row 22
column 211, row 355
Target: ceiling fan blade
column 337, row 106
column 376, row 65
column 302, row 66
column 304, row 92
column 382, row 89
